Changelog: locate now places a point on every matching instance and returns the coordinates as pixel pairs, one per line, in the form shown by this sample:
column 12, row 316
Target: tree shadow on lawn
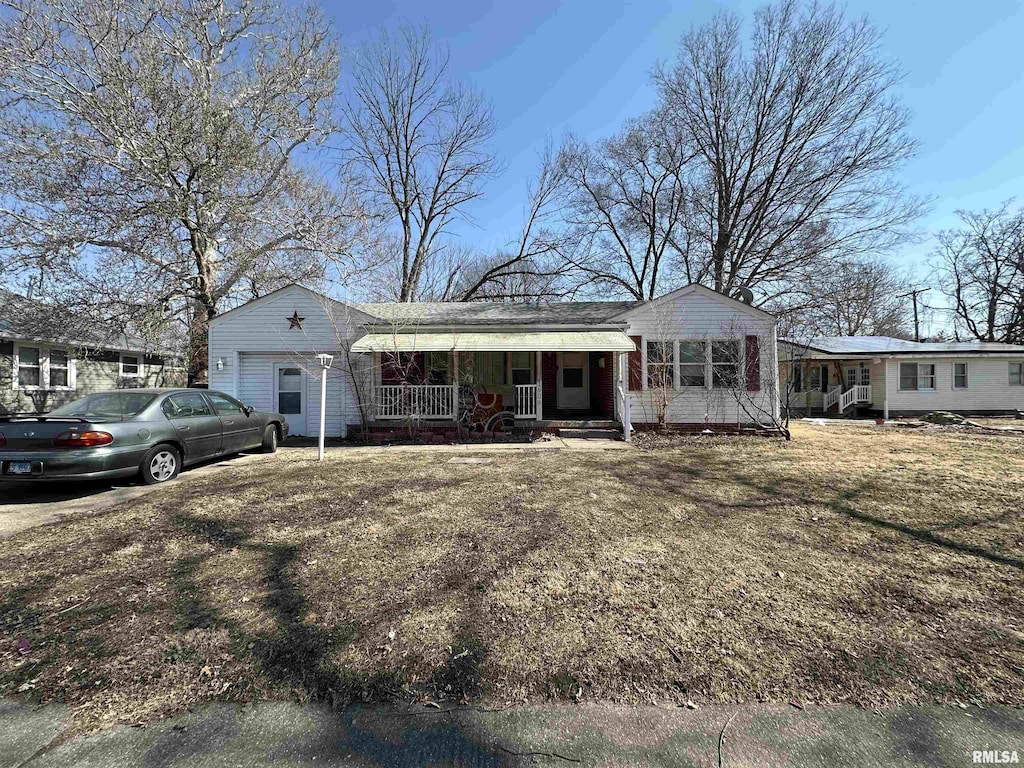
column 298, row 652
column 670, row 477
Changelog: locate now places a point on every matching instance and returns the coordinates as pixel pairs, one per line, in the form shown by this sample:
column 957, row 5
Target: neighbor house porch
column 834, row 387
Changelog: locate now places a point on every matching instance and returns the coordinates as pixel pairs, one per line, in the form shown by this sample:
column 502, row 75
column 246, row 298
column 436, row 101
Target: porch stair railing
column 859, row 393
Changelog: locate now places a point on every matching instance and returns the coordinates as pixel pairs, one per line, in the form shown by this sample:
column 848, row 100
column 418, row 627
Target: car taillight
column 83, row 439
column 3, row 440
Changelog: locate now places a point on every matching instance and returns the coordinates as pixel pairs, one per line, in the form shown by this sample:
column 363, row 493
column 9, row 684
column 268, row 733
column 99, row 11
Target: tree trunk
column 198, row 341
column 205, row 309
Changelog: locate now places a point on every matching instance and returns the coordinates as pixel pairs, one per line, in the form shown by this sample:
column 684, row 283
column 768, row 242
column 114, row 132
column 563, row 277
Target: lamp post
column 325, row 361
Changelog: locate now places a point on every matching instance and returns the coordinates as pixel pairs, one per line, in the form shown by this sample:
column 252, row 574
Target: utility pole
column 913, row 294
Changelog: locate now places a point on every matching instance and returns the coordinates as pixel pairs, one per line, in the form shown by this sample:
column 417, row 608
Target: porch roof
column 549, row 341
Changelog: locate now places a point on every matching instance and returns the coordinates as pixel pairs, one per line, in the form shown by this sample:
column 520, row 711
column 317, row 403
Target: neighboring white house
column 894, row 377
column 693, row 356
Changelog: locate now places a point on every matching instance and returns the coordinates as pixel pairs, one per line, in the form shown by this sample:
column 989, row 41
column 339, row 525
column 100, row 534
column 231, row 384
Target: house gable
column 300, row 293
column 696, row 290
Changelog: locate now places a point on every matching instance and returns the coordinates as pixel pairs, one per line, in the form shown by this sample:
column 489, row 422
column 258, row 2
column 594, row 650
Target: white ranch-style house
column 883, row 376
column 692, row 357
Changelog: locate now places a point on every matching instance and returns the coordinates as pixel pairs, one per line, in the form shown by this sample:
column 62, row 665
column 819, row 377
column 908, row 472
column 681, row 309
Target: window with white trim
column 37, row 367
column 522, row 367
column 1017, row 374
column 130, row 366
column 660, row 364
column 59, row 369
column 959, row 375
column 693, row 360
column 725, row 364
column 30, row 367
column 437, row 367
column 917, row 377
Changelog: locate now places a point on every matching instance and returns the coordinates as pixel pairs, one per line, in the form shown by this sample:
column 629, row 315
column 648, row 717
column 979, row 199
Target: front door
column 290, row 396
column 573, row 381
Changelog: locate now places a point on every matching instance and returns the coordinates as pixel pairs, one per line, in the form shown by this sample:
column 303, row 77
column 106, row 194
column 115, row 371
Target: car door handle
column 228, row 423
column 183, row 428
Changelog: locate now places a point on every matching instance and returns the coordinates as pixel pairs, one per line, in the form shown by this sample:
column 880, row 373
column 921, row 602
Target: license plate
column 19, row 468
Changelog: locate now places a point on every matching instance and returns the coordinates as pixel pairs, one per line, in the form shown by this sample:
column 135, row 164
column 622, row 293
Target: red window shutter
column 753, row 358
column 636, row 367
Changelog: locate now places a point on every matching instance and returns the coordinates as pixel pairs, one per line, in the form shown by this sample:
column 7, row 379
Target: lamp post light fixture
column 325, row 361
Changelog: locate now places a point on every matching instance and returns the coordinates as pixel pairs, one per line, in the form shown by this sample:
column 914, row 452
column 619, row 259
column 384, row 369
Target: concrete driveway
column 25, row 505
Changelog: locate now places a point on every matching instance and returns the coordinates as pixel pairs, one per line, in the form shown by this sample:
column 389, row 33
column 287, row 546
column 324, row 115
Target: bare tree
column 981, row 271
column 165, row 148
column 853, row 297
column 627, row 196
column 534, row 266
column 419, row 144
column 797, row 136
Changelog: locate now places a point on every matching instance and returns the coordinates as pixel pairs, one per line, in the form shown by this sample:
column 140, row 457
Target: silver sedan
column 149, row 432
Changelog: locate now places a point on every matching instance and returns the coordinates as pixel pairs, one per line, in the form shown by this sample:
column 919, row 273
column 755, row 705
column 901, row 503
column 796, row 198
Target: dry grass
column 854, row 564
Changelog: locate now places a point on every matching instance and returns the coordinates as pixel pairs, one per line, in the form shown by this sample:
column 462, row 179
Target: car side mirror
column 249, row 410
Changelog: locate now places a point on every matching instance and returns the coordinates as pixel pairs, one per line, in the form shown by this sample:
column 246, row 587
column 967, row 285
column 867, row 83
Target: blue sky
column 581, row 66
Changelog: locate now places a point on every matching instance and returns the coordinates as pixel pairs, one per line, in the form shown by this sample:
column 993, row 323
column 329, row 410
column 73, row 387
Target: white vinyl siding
column 700, row 317
column 988, row 389
column 257, row 390
column 251, row 339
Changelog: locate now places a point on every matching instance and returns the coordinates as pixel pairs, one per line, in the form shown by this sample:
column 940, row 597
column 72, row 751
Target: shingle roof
column 499, row 313
column 854, row 345
column 25, row 318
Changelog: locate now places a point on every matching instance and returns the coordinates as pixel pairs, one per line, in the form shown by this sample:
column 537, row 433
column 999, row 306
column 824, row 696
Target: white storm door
column 290, row 396
column 573, row 381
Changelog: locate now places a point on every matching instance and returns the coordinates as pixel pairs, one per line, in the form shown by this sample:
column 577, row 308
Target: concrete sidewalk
column 590, row 734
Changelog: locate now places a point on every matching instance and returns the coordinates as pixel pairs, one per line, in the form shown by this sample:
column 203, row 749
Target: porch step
column 606, row 434
column 557, row 423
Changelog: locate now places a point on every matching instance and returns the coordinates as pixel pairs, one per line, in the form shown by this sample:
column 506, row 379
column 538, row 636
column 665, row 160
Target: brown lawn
column 856, row 564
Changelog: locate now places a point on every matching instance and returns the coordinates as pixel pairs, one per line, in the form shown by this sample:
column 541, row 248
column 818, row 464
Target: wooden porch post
column 455, row 385
column 539, row 376
column 627, row 422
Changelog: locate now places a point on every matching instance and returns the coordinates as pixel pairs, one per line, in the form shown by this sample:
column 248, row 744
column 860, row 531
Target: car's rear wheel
column 269, row 439
column 162, row 463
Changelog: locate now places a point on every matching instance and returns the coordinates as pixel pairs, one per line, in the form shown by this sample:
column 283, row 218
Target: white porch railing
column 527, row 398
column 831, row 397
column 415, row 401
column 862, row 393
column 438, row 401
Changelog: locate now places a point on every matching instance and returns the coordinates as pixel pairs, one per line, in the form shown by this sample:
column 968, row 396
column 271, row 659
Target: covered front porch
column 487, row 379
column 835, row 386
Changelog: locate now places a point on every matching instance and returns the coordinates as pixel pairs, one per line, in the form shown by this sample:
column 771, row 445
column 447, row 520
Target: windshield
column 106, row 406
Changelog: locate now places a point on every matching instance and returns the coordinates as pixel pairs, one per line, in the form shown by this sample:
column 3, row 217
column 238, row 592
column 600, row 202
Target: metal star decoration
column 295, row 321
